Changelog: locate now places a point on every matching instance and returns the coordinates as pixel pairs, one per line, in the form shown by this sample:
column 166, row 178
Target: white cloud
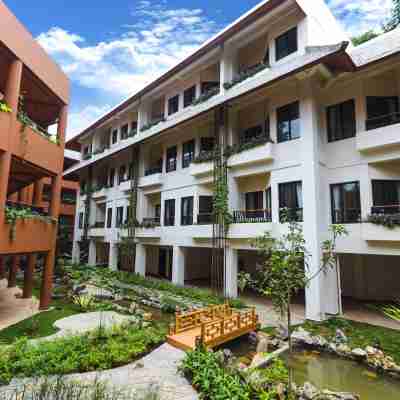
column 78, row 121
column 157, row 39
column 359, row 16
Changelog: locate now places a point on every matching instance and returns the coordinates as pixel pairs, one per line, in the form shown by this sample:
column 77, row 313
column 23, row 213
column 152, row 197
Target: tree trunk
column 289, row 330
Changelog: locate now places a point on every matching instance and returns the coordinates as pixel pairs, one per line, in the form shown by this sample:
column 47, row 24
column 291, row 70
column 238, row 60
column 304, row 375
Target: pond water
column 328, row 372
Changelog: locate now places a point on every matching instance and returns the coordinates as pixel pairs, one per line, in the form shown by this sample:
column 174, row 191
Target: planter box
column 378, row 233
column 201, row 169
column 150, row 181
column 379, row 138
column 257, row 155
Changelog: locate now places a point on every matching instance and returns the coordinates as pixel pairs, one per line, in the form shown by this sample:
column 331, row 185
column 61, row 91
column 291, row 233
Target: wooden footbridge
column 210, row 327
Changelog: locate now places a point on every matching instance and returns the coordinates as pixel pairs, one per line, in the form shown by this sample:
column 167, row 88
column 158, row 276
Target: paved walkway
column 353, row 310
column 12, row 309
column 157, row 370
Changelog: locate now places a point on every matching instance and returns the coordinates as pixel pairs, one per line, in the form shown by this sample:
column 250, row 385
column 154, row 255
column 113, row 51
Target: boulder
column 359, row 353
column 301, row 336
column 340, row 336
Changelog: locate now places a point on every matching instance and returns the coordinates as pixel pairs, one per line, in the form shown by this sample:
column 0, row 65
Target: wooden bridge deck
column 211, row 327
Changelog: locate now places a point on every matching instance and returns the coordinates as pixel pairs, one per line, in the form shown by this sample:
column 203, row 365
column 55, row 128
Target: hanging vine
column 221, row 198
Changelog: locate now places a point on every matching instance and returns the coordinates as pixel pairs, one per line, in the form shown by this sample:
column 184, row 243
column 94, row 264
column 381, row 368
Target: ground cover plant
column 95, row 351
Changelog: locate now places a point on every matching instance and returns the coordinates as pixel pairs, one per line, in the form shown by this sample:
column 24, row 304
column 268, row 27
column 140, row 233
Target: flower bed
column 96, row 351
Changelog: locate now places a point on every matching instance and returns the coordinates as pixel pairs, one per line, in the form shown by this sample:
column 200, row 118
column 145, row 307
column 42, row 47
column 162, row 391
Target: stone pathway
column 13, row 309
column 156, row 370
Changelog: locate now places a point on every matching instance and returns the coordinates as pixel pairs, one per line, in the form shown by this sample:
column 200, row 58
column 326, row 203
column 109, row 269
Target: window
column 341, row 121
column 114, row 136
column 169, row 212
column 268, row 199
column 254, row 201
column 208, row 86
column 187, row 211
column 120, row 217
column 121, row 174
column 187, row 153
column 130, row 171
column 255, row 132
column 111, row 177
column 171, row 159
column 157, row 211
column 205, row 210
column 124, row 132
column 189, row 96
column 346, row 203
column 382, row 111
column 291, row 199
column 288, row 122
column 286, row 44
column 109, row 217
column 82, row 187
column 207, row 144
column 173, row 105
column 81, row 220
column 386, row 196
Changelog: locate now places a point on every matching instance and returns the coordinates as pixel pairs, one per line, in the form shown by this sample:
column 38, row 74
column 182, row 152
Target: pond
column 329, row 372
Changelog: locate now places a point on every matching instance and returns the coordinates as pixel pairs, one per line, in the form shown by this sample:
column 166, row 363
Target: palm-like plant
column 392, row 310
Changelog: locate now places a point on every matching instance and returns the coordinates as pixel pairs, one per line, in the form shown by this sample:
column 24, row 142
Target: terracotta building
column 34, row 96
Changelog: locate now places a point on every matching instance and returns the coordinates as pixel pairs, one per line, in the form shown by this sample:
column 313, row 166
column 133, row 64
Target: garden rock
column 340, row 337
column 359, row 353
column 310, row 392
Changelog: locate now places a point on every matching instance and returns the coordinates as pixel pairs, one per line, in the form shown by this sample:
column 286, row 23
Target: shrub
column 388, row 221
column 99, row 350
column 242, row 76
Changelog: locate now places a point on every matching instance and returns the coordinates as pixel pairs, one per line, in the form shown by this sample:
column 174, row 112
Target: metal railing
column 151, row 221
column 252, row 216
column 392, row 209
column 153, row 170
column 346, row 216
column 383, row 120
column 99, row 224
column 205, row 218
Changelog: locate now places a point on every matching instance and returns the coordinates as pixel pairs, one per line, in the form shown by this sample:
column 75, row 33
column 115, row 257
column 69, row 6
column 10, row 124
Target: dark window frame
column 81, row 219
column 114, row 136
column 256, row 197
column 119, row 217
column 124, row 131
column 121, row 174
column 111, row 180
column 385, row 111
column 295, row 211
column 109, row 217
column 189, row 96
column 187, row 219
column 207, row 143
column 169, row 212
column 288, row 116
column 171, row 159
column 173, row 105
column 345, row 219
column 345, row 128
column 286, row 44
column 188, row 154
column 385, row 196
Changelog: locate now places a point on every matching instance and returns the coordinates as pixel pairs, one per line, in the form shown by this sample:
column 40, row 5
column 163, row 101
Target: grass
column 359, row 335
column 39, row 325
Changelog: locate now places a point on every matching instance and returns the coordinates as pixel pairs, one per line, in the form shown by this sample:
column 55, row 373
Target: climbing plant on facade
column 221, row 198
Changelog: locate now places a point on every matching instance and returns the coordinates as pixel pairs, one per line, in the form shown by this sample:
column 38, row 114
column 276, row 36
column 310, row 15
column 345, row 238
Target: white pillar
column 113, row 257
column 311, row 200
column 231, row 272
column 178, row 266
column 140, row 262
column 75, row 252
column 228, row 66
column 92, row 252
column 332, row 290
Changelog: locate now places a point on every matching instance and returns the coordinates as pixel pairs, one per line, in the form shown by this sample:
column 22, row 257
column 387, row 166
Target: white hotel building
column 315, row 128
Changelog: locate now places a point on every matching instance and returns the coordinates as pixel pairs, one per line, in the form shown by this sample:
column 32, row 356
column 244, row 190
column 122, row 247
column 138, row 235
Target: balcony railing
column 252, row 216
column 99, row 224
column 291, row 214
column 386, row 210
column 383, row 120
column 153, row 170
column 347, row 216
column 205, row 218
column 151, row 222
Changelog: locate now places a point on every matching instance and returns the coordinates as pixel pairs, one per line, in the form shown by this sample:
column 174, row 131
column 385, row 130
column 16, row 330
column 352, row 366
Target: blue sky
column 112, row 49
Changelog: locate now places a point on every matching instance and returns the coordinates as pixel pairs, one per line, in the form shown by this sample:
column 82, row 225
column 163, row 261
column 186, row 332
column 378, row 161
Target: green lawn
column 39, row 325
column 360, row 334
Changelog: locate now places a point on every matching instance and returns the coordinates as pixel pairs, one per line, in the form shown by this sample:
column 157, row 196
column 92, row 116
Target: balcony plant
column 132, row 133
column 240, row 147
column 248, row 73
column 204, row 156
column 206, row 96
column 87, row 156
column 150, row 125
column 389, row 221
column 4, row 107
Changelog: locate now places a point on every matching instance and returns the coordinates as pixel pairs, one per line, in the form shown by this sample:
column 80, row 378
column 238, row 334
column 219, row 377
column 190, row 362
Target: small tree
column 394, row 19
column 364, row 37
column 286, row 263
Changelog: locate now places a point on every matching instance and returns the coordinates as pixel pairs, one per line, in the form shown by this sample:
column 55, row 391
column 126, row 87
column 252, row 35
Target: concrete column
column 311, row 204
column 140, row 261
column 231, row 272
column 365, row 191
column 38, row 192
column 12, row 276
column 228, row 66
column 113, row 257
column 178, row 266
column 92, row 252
column 11, row 95
column 2, row 268
column 75, row 252
column 28, row 276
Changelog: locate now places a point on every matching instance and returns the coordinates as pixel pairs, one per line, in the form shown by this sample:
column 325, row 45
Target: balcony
column 252, row 216
column 4, row 129
column 98, row 229
column 346, row 216
column 149, row 229
column 36, row 148
column 153, row 178
column 251, row 156
column 381, row 132
column 383, row 225
column 200, row 169
column 205, row 219
column 100, row 193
